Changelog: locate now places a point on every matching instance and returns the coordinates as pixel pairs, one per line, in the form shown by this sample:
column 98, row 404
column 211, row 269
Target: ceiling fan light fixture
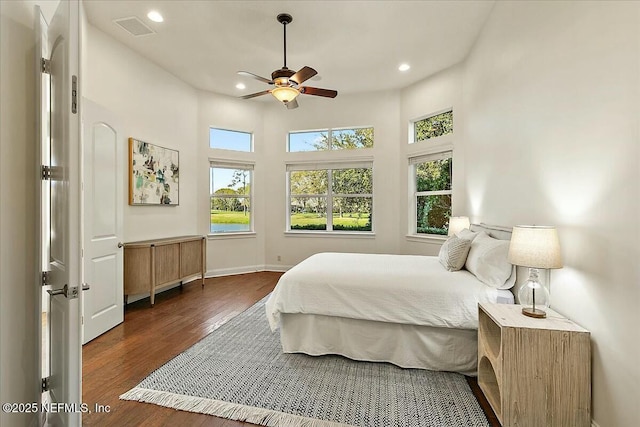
column 285, row 93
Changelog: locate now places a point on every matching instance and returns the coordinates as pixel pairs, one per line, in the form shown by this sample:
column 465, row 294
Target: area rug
column 239, row 372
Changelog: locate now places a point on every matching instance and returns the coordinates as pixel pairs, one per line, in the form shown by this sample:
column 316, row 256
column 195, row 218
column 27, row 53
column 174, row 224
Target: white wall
column 381, row 110
column 238, row 253
column 551, row 97
column 436, row 94
column 156, row 107
column 18, row 297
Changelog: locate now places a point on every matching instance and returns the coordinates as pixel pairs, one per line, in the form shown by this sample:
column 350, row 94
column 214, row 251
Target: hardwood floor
column 118, row 360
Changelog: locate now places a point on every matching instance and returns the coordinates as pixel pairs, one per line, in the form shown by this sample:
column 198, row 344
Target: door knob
column 55, row 292
column 120, row 244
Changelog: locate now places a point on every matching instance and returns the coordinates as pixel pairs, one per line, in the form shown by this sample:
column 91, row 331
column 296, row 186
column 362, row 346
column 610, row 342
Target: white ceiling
column 356, row 46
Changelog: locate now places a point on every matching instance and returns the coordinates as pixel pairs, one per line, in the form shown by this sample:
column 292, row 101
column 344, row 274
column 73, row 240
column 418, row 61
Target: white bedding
column 404, row 289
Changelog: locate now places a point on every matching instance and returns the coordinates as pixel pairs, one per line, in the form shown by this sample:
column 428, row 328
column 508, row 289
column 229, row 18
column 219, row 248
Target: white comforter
column 405, row 289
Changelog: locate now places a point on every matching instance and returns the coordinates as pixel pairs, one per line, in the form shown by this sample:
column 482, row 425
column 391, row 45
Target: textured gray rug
column 239, row 372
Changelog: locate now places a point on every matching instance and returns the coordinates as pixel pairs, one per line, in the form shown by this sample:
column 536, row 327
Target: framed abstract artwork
column 154, row 174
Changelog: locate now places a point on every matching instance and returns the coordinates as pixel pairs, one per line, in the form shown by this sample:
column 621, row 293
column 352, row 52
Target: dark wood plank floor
column 118, row 360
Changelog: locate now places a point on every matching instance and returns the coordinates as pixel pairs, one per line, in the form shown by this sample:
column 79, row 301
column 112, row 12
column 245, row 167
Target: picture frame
column 154, row 174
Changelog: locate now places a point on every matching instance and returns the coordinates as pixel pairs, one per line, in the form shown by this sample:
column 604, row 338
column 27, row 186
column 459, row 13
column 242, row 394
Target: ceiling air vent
column 134, row 26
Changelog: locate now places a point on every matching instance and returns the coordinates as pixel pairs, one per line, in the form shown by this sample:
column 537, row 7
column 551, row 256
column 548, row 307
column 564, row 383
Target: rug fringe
column 232, row 411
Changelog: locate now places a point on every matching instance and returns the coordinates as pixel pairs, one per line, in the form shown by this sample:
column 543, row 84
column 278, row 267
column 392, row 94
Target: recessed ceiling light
column 404, row 67
column 155, row 16
column 240, row 86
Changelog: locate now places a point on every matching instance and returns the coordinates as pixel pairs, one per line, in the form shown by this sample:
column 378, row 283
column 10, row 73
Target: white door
column 61, row 242
column 102, row 201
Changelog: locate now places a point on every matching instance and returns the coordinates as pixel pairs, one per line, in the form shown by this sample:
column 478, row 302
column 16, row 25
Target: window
column 230, row 203
column 331, row 139
column 433, row 126
column 331, row 197
column 432, row 192
column 230, row 140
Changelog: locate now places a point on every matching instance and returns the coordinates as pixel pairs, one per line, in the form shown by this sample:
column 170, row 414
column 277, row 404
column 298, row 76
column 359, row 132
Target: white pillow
column 453, row 253
column 488, row 261
column 465, row 233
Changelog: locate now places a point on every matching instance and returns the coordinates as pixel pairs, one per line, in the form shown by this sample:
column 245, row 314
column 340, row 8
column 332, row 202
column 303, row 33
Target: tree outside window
column 230, row 201
column 432, row 194
column 338, row 199
column 433, row 126
column 331, row 139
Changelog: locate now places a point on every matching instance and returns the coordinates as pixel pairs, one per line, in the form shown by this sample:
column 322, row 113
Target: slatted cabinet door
column 153, row 264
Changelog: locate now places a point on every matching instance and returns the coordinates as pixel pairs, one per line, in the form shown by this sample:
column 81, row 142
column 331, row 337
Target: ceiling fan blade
column 292, row 104
column 304, row 74
column 328, row 93
column 255, row 76
column 253, row 95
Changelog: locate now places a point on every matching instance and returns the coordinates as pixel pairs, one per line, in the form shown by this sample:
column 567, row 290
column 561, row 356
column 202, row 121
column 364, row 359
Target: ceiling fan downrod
column 284, row 19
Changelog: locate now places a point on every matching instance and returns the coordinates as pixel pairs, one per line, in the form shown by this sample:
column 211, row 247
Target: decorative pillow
column 465, row 233
column 453, row 253
column 488, row 261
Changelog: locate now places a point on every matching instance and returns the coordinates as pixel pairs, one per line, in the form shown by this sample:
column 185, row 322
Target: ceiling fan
column 288, row 82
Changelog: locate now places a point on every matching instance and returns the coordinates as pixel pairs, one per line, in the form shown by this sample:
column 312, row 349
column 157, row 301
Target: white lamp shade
column 285, row 93
column 535, row 247
column 458, row 223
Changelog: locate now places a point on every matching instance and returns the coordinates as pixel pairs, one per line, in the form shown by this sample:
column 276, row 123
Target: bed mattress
column 401, row 289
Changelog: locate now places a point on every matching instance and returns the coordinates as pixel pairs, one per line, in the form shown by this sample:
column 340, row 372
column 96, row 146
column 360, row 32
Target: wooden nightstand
column 534, row 372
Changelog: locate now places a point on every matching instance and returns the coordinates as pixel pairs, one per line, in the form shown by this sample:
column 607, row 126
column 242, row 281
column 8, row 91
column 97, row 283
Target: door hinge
column 45, row 385
column 74, row 94
column 45, row 66
column 45, row 173
column 45, row 278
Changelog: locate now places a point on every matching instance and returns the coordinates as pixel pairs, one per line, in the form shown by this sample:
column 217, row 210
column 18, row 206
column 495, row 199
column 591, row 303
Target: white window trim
column 329, row 166
column 438, row 153
column 251, row 144
column 230, row 164
column 329, row 132
column 412, row 124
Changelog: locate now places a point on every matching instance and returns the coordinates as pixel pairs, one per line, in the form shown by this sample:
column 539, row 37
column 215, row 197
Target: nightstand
column 534, row 372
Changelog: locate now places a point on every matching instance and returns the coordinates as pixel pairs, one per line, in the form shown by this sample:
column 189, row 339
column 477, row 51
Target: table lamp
column 534, row 247
column 457, row 223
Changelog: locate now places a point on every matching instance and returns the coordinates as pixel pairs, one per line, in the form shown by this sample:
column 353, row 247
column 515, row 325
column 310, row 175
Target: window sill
column 332, row 234
column 232, row 235
column 426, row 238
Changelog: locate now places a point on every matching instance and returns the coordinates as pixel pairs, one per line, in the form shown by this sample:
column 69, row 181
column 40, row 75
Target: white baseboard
column 278, row 268
column 246, row 269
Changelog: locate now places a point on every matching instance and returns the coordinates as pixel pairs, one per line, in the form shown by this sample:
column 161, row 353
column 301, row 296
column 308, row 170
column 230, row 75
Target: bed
column 403, row 309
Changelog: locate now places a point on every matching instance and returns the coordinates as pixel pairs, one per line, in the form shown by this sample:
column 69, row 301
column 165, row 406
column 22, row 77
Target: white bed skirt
column 407, row 346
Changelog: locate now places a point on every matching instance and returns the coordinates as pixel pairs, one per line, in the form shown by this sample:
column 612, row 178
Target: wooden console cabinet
column 534, row 372
column 153, row 264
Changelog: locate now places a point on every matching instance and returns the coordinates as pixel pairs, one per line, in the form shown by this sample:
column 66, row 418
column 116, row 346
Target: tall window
column 231, row 194
column 433, row 126
column 432, row 192
column 331, row 139
column 230, row 140
column 331, row 197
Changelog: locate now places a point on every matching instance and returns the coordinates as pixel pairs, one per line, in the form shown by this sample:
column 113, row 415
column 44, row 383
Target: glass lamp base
column 534, row 312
